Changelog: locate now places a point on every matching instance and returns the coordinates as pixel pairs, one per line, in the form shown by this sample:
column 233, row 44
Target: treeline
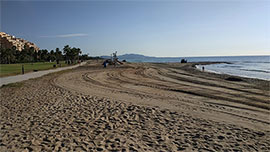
column 70, row 55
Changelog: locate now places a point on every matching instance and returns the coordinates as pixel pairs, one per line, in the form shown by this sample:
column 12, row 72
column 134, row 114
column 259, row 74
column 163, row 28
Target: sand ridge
column 136, row 107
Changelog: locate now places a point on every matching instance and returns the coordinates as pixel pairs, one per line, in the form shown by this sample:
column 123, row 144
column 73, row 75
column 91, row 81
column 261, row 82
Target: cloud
column 65, row 35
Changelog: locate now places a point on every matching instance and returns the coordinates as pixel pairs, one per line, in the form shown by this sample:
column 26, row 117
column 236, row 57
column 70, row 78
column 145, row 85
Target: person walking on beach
column 203, row 68
column 105, row 64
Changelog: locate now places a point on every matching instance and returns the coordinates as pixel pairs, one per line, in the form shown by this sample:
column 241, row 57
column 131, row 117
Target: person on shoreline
column 203, row 68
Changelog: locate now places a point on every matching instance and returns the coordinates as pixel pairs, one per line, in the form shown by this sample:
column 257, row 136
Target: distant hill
column 133, row 56
column 130, row 57
column 142, row 58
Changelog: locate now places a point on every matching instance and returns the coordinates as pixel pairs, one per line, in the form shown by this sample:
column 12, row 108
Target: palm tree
column 76, row 52
column 52, row 55
column 44, row 55
column 58, row 55
column 68, row 53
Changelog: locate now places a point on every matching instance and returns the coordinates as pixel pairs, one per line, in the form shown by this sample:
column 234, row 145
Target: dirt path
column 136, row 107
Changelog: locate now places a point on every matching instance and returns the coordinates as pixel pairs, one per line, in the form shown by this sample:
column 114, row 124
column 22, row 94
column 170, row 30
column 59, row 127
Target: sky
column 178, row 28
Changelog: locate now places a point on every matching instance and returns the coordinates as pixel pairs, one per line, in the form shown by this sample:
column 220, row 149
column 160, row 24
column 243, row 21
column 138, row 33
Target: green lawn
column 14, row 69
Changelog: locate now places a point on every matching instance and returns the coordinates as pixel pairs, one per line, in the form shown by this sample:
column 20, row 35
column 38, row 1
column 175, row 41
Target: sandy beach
column 135, row 107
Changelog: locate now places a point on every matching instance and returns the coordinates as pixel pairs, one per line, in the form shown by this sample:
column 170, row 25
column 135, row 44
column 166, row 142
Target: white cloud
column 65, row 35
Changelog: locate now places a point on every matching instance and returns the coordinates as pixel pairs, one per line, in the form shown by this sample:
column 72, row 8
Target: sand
column 135, row 107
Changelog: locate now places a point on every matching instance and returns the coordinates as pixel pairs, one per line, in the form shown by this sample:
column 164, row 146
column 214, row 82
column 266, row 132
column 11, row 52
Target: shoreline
column 220, row 72
column 224, row 75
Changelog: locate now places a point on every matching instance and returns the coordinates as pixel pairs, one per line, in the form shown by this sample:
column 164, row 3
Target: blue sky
column 154, row 28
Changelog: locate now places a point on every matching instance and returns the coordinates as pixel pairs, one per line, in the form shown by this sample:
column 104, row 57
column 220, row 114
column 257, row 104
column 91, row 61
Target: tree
column 12, row 55
column 75, row 53
column 30, row 53
column 67, row 53
column 84, row 57
column 71, row 54
column 7, row 56
column 36, row 56
column 3, row 55
column 52, row 56
column 58, row 55
column 44, row 55
column 25, row 55
column 17, row 55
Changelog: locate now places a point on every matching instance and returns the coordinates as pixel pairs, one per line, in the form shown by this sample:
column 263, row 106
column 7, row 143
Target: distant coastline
column 143, row 58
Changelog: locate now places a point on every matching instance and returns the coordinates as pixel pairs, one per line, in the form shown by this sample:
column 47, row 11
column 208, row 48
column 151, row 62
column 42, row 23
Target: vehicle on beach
column 113, row 61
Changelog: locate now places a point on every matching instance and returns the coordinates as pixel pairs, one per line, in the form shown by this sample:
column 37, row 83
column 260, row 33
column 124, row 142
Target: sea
column 244, row 66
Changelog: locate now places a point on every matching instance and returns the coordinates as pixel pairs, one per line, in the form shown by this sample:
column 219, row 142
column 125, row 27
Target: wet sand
column 135, row 107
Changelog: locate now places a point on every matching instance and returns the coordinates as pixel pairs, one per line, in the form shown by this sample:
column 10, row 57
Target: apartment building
column 8, row 41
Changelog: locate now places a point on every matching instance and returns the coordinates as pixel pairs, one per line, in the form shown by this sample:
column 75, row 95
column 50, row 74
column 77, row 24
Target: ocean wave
column 232, row 66
column 254, row 62
column 255, row 70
